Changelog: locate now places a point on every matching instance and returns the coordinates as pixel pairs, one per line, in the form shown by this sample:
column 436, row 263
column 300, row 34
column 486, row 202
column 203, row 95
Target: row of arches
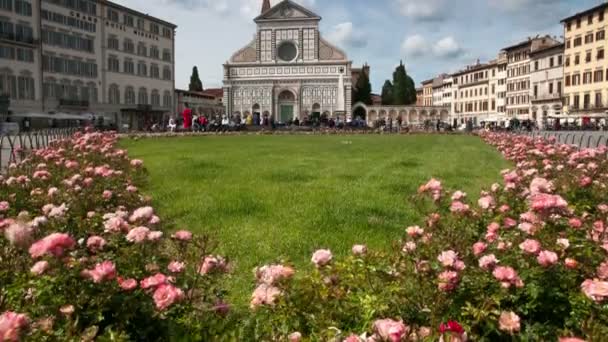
column 408, row 115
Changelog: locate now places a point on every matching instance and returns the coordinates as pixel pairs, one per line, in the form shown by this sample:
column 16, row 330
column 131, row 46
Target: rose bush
column 528, row 261
column 83, row 256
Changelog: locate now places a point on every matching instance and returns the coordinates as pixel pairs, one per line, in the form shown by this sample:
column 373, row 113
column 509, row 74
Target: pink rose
column 212, row 263
column 295, row 337
column 176, row 267
column 107, row 194
column 40, row 267
column 596, row 290
column 509, row 322
column 530, row 246
column 547, row 258
column 127, row 284
column 271, row 274
column 486, row 202
column 143, row 214
column 182, row 235
column 155, row 236
column 479, row 248
column 571, row 339
column 136, row 163
column 458, row 195
column 166, row 295
column 154, row 281
column 390, row 330
column 571, row 263
column 563, row 243
column 102, row 272
column 575, row 223
column 12, row 325
column 95, row 243
column 359, row 250
column 459, row 207
column 4, row 206
column 321, row 257
column 264, row 294
column 54, row 244
column 138, row 235
column 448, row 258
column 414, row 231
column 488, row 262
column 19, row 234
column 540, row 185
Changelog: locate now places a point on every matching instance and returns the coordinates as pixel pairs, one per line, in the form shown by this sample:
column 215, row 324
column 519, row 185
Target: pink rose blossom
column 596, row 290
column 571, row 263
column 448, row 258
column 530, row 246
column 4, row 206
column 488, row 262
column 95, row 243
column 138, row 234
column 54, row 244
column 390, row 330
column 182, row 235
column 176, row 267
column 414, row 231
column 571, row 339
column 127, row 284
column 545, row 202
column 409, row 246
column 540, row 186
column 154, row 281
column 166, row 295
column 295, row 337
column 509, row 322
column 19, row 234
column 321, row 257
column 486, row 202
column 575, row 223
column 271, row 274
column 107, row 194
column 12, row 326
column 547, row 258
column 458, row 196
column 142, row 214
column 102, row 272
column 155, row 235
column 447, row 281
column 563, row 243
column 212, row 263
column 359, row 250
column 40, row 267
column 509, row 222
column 479, row 248
column 136, row 163
column 459, row 207
column 264, row 294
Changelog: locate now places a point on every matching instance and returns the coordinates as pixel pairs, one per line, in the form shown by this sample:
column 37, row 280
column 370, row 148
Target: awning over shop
column 56, row 116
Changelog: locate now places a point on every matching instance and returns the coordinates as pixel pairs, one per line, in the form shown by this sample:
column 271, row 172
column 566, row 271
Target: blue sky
column 430, row 36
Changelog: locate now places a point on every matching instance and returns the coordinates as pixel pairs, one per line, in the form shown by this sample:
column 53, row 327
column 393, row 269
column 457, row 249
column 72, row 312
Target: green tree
column 363, row 91
column 387, row 93
column 404, row 89
column 411, row 91
column 195, row 81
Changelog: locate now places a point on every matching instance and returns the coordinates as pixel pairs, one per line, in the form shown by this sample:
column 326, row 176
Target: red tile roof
column 216, row 92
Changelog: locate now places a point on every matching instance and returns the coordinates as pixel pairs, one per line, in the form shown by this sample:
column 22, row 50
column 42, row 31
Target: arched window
column 155, row 98
column 129, row 95
column 167, row 100
column 142, row 97
column 114, row 94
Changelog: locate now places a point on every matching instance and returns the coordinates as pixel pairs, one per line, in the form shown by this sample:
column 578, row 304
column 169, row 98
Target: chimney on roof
column 265, row 6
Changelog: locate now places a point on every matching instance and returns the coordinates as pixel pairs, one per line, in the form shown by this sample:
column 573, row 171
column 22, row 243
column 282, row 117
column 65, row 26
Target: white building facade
column 546, row 77
column 86, row 58
column 288, row 70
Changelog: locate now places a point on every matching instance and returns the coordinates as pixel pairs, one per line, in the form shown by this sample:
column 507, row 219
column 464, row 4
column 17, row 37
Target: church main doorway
column 287, row 101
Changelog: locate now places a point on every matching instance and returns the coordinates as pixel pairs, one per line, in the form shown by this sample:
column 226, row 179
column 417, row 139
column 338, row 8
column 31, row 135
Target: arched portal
column 413, row 117
column 359, row 111
column 287, row 102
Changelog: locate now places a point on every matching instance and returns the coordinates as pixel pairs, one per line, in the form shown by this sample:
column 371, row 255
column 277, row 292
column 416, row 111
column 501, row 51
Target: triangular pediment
column 287, row 10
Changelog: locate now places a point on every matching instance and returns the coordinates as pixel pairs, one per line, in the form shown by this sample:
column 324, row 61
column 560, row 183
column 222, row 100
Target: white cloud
column 415, row 46
column 447, row 47
column 423, row 9
column 344, row 35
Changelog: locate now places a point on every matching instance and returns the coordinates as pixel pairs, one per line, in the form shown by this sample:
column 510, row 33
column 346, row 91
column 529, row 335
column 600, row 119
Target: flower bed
column 85, row 257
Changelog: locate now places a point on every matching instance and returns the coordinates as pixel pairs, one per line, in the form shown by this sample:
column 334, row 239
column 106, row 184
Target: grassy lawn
column 272, row 198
